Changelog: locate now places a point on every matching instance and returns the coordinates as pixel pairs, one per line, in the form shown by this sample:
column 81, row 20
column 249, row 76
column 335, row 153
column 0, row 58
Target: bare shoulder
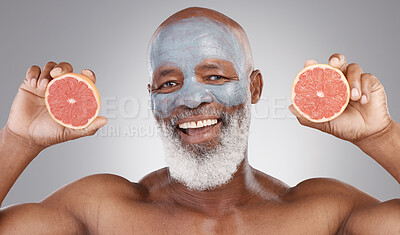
column 332, row 199
column 323, row 189
column 91, row 189
column 322, row 185
column 327, row 188
column 83, row 196
column 103, row 185
column 73, row 209
column 359, row 212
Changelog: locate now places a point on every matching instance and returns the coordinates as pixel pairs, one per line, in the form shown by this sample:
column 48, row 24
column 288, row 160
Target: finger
column 89, row 73
column 367, row 80
column 309, row 62
column 338, row 61
column 99, row 122
column 32, row 75
column 60, row 69
column 353, row 76
column 45, row 77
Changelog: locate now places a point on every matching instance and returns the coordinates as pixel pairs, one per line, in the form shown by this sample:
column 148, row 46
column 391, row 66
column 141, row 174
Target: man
column 203, row 82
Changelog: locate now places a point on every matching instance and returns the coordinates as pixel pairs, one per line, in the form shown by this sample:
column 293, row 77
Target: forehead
column 187, row 42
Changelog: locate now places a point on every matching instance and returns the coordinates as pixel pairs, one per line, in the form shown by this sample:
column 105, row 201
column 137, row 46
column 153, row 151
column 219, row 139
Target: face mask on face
column 184, row 45
column 200, row 167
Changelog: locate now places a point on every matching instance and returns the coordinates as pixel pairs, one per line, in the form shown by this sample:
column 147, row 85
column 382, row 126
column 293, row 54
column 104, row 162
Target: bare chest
column 145, row 218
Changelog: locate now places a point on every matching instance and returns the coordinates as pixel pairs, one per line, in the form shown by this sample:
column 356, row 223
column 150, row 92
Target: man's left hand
column 366, row 113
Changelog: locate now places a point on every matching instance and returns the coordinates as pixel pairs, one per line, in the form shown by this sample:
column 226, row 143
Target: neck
column 242, row 187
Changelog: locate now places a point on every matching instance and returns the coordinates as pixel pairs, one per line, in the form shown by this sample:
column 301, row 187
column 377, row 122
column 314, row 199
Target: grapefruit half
column 72, row 100
column 320, row 92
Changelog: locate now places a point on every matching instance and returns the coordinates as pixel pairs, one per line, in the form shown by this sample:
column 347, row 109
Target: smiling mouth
column 196, row 131
column 199, row 126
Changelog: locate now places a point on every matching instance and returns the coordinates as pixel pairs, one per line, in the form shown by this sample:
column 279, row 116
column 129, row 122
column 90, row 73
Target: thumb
column 99, row 122
column 293, row 110
column 305, row 122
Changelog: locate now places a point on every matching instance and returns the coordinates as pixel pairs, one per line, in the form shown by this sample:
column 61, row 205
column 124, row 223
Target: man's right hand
column 29, row 118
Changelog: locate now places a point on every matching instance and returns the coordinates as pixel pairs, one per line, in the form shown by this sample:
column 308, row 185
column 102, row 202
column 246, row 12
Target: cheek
column 231, row 93
column 162, row 104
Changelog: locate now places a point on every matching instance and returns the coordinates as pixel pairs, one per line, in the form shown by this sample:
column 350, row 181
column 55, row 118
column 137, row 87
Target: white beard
column 201, row 167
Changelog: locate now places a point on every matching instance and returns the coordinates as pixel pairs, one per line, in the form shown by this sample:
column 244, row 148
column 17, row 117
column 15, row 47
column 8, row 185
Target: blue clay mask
column 184, row 45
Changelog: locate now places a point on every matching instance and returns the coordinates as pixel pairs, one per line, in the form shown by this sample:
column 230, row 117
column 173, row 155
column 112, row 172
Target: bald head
column 198, row 56
column 198, row 12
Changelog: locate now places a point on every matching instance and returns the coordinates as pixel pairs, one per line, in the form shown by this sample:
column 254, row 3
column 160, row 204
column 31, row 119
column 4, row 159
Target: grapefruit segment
column 320, row 92
column 72, row 100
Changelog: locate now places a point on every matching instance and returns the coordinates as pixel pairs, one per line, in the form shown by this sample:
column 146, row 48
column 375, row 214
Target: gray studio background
column 110, row 37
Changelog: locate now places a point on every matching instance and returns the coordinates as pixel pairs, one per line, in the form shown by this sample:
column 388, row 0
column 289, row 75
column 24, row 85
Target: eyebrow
column 211, row 66
column 165, row 72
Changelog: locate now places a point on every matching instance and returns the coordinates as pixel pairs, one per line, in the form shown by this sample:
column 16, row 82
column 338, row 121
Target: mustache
column 202, row 110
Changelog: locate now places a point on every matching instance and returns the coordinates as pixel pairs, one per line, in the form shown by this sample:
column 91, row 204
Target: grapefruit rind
column 343, row 78
column 91, row 86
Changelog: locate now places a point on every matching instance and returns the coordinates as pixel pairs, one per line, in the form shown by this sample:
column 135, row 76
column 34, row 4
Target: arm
column 28, row 131
column 384, row 147
column 366, row 123
column 381, row 218
column 15, row 155
column 31, row 218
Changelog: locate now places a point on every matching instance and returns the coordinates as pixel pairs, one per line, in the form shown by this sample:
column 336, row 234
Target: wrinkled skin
column 251, row 203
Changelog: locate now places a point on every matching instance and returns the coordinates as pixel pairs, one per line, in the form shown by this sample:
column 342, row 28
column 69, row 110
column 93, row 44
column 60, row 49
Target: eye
column 216, row 77
column 169, row 84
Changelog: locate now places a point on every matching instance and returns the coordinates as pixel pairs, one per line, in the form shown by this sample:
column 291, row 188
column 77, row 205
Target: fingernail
column 57, row 70
column 33, row 82
column 335, row 61
column 354, row 93
column 363, row 99
column 43, row 83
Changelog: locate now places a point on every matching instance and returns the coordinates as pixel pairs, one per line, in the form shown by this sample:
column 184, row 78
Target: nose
column 192, row 95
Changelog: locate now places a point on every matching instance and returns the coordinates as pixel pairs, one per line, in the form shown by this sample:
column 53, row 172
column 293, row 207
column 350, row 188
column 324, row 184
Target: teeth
column 199, row 124
column 184, row 125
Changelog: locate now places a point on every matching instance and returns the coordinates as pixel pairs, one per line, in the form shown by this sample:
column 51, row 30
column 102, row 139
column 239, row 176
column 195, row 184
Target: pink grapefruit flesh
column 72, row 100
column 320, row 92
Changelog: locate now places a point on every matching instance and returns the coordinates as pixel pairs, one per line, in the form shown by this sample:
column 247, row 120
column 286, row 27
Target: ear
column 148, row 88
column 256, row 86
